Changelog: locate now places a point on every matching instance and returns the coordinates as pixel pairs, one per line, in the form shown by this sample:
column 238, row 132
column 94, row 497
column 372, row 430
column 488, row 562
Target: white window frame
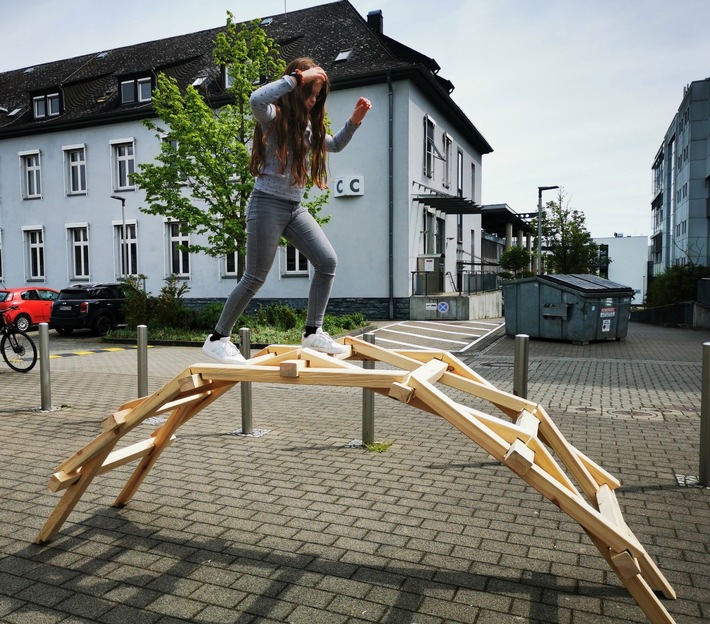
column 31, row 174
column 429, row 147
column 141, row 85
column 78, row 250
column 134, row 90
column 447, row 143
column 123, row 164
column 297, row 259
column 125, row 249
column 178, row 262
column 46, row 105
column 75, row 169
column 33, row 242
column 459, row 173
column 231, row 264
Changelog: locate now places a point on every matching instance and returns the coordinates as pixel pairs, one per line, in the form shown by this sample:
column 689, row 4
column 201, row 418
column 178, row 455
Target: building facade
column 407, row 187
column 680, row 206
column 628, row 265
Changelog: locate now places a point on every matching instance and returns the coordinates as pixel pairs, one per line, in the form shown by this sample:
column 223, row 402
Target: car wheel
column 103, row 324
column 22, row 322
column 64, row 331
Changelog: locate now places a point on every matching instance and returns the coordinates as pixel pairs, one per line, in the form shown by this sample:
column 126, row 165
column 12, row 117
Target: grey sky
column 570, row 93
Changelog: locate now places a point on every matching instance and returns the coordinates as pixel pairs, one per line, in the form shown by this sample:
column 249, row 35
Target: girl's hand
column 361, row 107
column 314, row 73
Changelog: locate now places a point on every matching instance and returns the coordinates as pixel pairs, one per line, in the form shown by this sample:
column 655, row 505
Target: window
column 136, row 90
column 126, row 248
column 473, row 180
column 179, row 263
column 429, row 147
column 124, row 163
column 296, row 262
column 31, row 175
column 79, row 251
column 46, row 105
column 459, row 173
column 75, row 163
column 231, row 264
column 34, row 253
column 447, row 160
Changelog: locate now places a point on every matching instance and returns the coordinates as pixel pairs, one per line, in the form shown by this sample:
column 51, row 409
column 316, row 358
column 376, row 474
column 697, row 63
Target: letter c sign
column 353, row 185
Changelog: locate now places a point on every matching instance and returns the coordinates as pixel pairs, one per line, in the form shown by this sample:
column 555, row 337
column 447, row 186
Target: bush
column 677, row 284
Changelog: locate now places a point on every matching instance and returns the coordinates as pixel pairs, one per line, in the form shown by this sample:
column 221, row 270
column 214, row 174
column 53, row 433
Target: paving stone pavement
column 295, row 526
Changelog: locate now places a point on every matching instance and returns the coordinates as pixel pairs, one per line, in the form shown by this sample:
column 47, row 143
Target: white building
column 71, row 131
column 629, row 264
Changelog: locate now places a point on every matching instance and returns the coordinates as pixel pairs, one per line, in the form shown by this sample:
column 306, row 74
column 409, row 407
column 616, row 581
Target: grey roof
column 89, row 84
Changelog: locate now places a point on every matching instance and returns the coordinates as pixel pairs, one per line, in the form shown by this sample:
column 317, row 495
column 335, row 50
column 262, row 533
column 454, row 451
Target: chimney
column 375, row 21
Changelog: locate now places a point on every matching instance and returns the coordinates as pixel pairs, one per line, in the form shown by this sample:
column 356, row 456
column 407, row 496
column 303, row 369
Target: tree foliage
column 515, row 260
column 677, row 284
column 201, row 176
column 569, row 245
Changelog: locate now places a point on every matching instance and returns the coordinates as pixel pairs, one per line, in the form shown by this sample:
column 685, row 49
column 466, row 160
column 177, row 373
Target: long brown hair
column 290, row 125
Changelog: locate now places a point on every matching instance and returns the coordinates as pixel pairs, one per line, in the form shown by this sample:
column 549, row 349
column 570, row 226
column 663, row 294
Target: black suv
column 89, row 306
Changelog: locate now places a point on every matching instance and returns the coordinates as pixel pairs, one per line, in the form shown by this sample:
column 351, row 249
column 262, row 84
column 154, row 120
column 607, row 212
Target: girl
column 290, row 145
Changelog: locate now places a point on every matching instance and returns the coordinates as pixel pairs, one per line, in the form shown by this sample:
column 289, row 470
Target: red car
column 34, row 305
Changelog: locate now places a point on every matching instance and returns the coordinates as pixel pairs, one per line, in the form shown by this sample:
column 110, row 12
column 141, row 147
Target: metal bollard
column 142, row 345
column 245, row 349
column 368, row 400
column 44, row 376
column 520, row 366
column 704, row 474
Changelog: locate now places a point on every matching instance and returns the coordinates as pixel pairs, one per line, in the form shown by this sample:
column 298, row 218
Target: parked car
column 31, row 305
column 98, row 307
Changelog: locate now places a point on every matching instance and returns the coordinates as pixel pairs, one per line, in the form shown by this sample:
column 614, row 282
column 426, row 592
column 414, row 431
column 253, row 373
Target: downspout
column 390, row 157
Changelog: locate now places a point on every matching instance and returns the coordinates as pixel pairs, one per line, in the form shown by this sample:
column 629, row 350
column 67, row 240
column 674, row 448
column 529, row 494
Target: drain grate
column 255, row 433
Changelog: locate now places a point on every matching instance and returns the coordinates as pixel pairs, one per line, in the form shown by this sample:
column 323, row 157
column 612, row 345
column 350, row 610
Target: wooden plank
column 62, row 480
column 72, row 495
column 454, row 413
column 639, row 589
column 488, row 393
column 456, row 366
column 528, row 423
column 567, row 454
column 379, row 354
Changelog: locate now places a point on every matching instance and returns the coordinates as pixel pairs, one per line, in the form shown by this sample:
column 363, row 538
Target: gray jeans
column 268, row 219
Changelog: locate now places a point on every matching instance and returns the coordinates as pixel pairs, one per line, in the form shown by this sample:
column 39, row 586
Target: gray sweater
column 263, row 105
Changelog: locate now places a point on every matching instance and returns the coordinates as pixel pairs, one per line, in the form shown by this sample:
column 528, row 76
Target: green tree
column 515, row 260
column 569, row 245
column 201, row 176
column 678, row 283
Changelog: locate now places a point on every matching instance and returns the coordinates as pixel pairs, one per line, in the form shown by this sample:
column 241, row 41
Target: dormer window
column 136, row 90
column 46, row 105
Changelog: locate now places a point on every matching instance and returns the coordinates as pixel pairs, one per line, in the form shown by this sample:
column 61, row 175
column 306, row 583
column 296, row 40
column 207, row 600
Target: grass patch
column 378, row 447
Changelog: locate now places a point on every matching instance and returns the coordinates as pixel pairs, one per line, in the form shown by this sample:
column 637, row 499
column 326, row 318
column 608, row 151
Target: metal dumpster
column 576, row 308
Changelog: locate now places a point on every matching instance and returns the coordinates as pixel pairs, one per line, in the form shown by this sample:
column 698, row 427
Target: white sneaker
column 222, row 350
column 321, row 341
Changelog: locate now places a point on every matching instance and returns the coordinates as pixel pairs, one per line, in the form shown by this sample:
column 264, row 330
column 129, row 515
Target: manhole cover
column 635, row 414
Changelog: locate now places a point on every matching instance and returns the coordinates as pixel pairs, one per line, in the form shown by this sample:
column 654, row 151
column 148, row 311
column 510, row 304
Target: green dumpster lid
column 589, row 283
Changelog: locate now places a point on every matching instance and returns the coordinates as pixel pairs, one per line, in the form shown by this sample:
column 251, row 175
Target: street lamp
column 540, row 189
column 124, row 256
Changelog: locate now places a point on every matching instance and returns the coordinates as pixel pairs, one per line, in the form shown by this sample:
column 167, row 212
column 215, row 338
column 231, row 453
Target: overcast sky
column 567, row 92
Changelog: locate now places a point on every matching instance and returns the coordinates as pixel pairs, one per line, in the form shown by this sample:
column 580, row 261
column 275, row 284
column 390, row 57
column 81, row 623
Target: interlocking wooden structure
column 530, row 444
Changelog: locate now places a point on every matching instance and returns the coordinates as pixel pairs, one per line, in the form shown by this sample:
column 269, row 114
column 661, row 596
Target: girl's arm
column 342, row 138
column 263, row 100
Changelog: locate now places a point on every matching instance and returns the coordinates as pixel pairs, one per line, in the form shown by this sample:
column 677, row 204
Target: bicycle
column 18, row 349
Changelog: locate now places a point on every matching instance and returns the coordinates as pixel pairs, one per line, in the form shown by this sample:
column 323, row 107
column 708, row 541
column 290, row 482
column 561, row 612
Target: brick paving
column 296, row 527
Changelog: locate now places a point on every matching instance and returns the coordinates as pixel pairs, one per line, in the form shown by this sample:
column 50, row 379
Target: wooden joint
column 291, row 368
column 519, row 458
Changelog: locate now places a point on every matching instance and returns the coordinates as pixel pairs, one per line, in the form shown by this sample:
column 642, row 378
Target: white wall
column 629, row 262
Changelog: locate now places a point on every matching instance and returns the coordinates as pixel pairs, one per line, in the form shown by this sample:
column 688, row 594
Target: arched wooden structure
column 531, row 445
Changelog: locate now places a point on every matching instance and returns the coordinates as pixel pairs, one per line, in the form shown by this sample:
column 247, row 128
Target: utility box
column 429, row 276
column 576, row 308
